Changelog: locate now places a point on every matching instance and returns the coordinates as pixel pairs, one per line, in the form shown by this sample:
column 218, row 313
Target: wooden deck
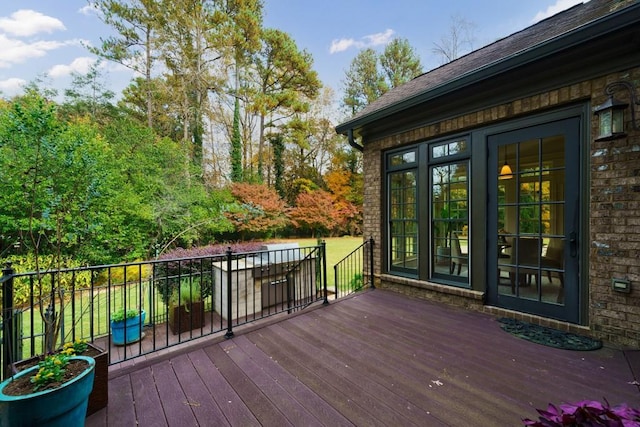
column 377, row 358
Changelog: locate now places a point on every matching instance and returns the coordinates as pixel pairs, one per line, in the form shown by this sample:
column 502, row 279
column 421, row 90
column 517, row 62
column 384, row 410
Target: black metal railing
column 355, row 271
column 183, row 299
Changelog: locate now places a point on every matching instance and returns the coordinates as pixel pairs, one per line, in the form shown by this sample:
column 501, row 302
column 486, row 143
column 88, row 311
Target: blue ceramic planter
column 65, row 406
column 128, row 331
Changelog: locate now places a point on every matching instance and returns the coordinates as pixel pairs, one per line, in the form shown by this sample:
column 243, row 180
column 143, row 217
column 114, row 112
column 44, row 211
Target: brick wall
column 614, row 222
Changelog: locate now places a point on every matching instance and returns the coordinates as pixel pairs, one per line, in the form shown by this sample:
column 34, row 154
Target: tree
column 259, row 211
column 399, row 62
column 165, row 117
column 135, row 21
column 286, row 83
column 371, row 75
column 363, row 82
column 314, row 212
column 238, row 26
column 51, row 173
column 453, row 44
column 236, row 145
column 88, row 95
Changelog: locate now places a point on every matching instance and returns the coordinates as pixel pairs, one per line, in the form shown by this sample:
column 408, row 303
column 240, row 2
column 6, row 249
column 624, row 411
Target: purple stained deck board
column 198, row 397
column 375, row 359
column 265, row 412
column 305, row 395
column 234, row 409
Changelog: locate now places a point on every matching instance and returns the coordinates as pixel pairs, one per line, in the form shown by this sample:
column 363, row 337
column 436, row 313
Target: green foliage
column 121, row 314
column 189, row 291
column 76, row 347
column 236, row 145
column 357, row 282
column 51, row 370
column 371, row 75
column 22, row 286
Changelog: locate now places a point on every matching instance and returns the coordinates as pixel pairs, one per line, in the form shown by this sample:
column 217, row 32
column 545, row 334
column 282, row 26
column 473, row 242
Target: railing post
column 7, row 320
column 229, row 333
column 371, row 262
column 323, row 251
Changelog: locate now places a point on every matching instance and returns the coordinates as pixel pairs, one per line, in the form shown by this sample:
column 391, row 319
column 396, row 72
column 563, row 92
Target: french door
column 533, row 250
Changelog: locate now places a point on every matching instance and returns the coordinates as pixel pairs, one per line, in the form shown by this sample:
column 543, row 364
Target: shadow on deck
column 377, row 358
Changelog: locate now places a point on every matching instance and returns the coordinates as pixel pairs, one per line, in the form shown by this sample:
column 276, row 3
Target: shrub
column 586, row 413
column 27, row 264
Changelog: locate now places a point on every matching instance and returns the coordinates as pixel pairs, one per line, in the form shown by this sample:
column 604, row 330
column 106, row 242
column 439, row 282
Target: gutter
column 607, row 24
column 352, row 141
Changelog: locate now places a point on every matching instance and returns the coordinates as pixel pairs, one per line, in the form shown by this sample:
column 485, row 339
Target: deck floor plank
column 322, row 382
column 199, row 399
column 286, row 403
column 175, row 403
column 265, row 412
column 374, row 359
column 148, row 406
column 425, row 373
column 300, row 391
column 232, row 406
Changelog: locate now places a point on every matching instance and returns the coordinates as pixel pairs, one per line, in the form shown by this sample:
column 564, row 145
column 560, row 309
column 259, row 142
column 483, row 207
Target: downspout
column 352, row 141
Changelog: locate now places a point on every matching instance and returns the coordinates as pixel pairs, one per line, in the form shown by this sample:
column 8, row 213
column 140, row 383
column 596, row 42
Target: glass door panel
column 528, row 218
column 450, row 222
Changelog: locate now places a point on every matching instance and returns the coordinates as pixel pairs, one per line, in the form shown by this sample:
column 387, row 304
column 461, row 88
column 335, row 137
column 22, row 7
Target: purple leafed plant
column 586, row 413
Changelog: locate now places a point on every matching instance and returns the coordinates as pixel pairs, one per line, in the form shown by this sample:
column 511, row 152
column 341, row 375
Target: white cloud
column 12, row 86
column 559, row 6
column 89, row 10
column 79, row 65
column 16, row 51
column 24, row 23
column 371, row 40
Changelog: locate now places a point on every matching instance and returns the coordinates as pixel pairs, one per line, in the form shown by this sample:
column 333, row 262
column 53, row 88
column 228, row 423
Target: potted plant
column 55, row 392
column 126, row 326
column 186, row 308
column 99, row 397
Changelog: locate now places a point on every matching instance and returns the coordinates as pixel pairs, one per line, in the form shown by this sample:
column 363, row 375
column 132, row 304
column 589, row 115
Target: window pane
column 450, row 221
column 402, row 158
column 403, row 213
column 448, row 148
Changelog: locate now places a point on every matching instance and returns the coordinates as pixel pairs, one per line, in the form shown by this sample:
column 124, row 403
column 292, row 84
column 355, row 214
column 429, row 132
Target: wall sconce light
column 611, row 112
column 505, row 171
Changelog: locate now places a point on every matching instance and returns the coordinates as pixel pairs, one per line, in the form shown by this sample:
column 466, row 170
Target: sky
column 47, row 39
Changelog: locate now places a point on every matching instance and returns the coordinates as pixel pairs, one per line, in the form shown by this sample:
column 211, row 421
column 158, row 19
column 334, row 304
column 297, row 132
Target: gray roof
column 470, row 68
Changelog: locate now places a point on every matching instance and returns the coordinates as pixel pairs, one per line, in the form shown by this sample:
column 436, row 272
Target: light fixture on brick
column 611, row 112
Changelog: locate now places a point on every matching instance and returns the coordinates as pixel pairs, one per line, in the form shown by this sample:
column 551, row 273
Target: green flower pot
column 65, row 406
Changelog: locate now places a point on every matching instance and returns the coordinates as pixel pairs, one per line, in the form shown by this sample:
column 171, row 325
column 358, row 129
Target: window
column 403, row 212
column 428, row 211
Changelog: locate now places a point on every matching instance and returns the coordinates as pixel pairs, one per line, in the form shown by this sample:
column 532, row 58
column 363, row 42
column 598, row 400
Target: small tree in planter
column 186, row 309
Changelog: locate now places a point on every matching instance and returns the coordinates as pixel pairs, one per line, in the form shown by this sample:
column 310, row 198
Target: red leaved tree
column 259, row 211
column 314, row 212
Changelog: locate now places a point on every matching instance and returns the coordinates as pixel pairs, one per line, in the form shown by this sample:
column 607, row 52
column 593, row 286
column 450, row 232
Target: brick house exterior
column 554, row 71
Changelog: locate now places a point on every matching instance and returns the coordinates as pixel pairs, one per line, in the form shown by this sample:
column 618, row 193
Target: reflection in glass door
column 534, row 223
column 530, row 219
column 450, row 221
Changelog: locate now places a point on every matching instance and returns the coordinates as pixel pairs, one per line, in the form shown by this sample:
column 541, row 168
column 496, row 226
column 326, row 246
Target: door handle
column 573, row 244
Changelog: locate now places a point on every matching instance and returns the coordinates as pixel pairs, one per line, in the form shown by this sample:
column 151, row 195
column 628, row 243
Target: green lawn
column 337, row 249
